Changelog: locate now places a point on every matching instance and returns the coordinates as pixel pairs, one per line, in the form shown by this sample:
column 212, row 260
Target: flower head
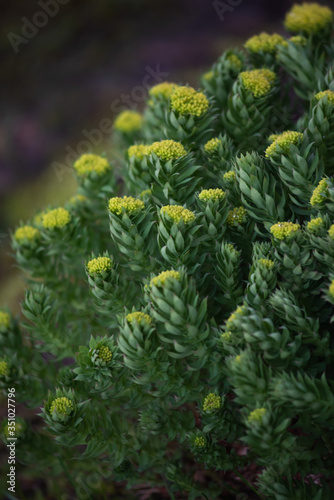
column 227, row 336
column 331, row 232
column 298, row 40
column 328, row 93
column 128, row 121
column 212, row 402
column 165, row 276
column 77, row 199
column 4, row 320
column 178, row 213
column 167, row 150
column 126, row 204
column 4, row 368
column 163, row 89
column 258, row 81
column 331, row 289
column 269, row 264
column 212, row 146
column 104, row 353
column 138, row 151
column 264, row 42
column 59, row 217
column 211, row 195
column 144, row 194
column 208, row 75
column 308, row 18
column 186, row 101
column 26, row 233
column 314, row 225
column 284, row 141
column 61, row 405
column 139, row 317
column 235, row 61
column 99, row 265
column 283, row 230
column 257, row 415
column 240, row 311
column 236, row 216
column 199, row 441
column 229, row 176
column 89, row 163
column 320, row 192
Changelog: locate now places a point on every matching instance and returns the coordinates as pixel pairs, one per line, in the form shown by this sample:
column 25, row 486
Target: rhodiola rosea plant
column 178, row 317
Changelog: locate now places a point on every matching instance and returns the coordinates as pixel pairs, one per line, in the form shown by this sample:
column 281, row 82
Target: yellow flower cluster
column 26, row 233
column 331, row 232
column 328, row 93
column 89, row 163
column 284, row 141
column 272, row 138
column 235, row 61
column 62, row 405
column 178, row 213
column 331, row 289
column 145, row 193
column 77, row 199
column 227, row 336
column 257, row 415
column 308, row 18
column 298, row 40
column 314, row 225
column 138, row 151
column 265, row 42
column 212, row 402
column 186, row 101
column 99, row 265
column 161, row 279
column 212, row 145
column 236, row 216
column 128, row 121
column 282, row 230
column 105, row 354
column 4, row 319
column 56, row 218
column 319, row 193
column 258, row 81
column 126, row 204
column 167, row 150
column 234, row 316
column 139, row 317
column 229, row 176
column 211, row 195
column 269, row 264
column 163, row 89
column 199, row 441
column 208, row 75
column 4, row 369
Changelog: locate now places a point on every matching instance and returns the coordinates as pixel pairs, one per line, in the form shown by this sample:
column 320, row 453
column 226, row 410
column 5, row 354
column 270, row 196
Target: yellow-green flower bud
column 328, row 93
column 331, row 232
column 163, row 89
column 4, row 368
column 128, row 121
column 298, row 40
column 229, row 176
column 167, row 150
column 212, row 402
column 4, row 320
column 57, row 218
column 26, row 233
column 282, row 230
column 236, row 216
column 284, row 141
column 126, row 204
column 89, row 163
column 62, row 405
column 212, row 145
column 235, row 61
column 199, row 441
column 308, row 18
column 138, row 151
column 139, row 317
column 258, row 81
column 104, row 353
column 331, row 289
column 186, row 101
column 314, row 225
column 269, row 264
column 77, row 199
column 227, row 336
column 265, row 42
column 208, row 75
column 178, row 213
column 240, row 311
column 144, row 194
column 99, row 265
column 257, row 415
column 161, row 279
column 211, row 195
column 320, row 192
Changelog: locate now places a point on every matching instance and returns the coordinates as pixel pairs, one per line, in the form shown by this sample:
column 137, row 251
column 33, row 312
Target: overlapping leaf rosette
column 320, row 127
column 217, row 154
column 214, row 212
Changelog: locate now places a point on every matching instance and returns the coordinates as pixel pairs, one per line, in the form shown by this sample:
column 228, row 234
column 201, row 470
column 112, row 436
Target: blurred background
column 68, row 64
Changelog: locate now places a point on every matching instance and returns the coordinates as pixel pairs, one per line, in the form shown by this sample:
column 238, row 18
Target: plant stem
column 244, row 480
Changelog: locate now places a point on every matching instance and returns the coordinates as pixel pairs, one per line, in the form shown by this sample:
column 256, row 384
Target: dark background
column 65, row 77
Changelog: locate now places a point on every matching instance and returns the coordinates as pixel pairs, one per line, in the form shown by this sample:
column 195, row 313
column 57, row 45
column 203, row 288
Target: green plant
column 194, row 302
